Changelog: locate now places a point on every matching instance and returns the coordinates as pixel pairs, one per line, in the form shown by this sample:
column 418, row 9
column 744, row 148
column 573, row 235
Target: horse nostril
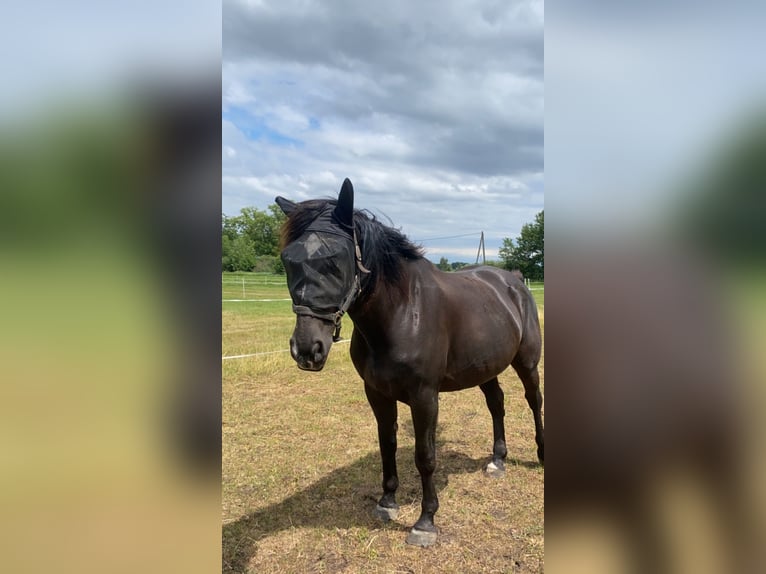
column 293, row 348
column 317, row 351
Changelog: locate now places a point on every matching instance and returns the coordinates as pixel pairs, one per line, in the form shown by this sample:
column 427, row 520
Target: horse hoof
column 421, row 538
column 385, row 514
column 495, row 470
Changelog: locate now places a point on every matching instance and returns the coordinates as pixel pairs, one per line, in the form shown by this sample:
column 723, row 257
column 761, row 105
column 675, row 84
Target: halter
column 356, row 288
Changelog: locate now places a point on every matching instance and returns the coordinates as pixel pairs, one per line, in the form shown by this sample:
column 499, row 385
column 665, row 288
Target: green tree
column 261, row 228
column 238, row 254
column 527, row 254
column 229, row 227
column 251, row 237
column 444, row 264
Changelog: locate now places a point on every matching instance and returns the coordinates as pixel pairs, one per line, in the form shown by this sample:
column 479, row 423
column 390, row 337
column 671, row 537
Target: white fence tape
column 224, row 358
column 255, row 300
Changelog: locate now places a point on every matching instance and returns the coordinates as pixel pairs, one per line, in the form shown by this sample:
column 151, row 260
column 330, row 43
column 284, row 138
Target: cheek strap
column 334, row 318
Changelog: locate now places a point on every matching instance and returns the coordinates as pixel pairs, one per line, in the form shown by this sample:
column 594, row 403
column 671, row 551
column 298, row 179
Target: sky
column 433, row 109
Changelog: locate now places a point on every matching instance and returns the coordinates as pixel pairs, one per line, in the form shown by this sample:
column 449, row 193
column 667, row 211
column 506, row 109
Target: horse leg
column 495, row 403
column 527, row 371
column 386, row 415
column 425, row 412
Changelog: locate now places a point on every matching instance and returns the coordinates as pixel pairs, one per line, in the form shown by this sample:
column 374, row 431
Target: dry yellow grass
column 301, row 469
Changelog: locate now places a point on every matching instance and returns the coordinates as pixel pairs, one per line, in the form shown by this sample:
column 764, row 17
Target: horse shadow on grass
column 345, row 498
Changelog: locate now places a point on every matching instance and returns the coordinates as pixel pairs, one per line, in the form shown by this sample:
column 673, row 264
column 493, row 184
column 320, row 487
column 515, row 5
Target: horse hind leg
column 495, row 403
column 530, row 378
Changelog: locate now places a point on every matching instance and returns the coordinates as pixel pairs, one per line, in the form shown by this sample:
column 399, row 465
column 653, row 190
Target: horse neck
column 372, row 313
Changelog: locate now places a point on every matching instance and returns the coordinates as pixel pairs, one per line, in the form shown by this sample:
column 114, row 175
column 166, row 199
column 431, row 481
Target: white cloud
column 434, row 110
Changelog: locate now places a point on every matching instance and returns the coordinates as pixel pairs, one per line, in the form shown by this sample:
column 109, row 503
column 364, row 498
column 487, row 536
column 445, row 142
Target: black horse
column 417, row 331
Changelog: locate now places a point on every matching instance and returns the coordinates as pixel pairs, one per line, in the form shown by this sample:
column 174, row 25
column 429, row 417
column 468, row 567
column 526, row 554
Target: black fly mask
column 323, row 267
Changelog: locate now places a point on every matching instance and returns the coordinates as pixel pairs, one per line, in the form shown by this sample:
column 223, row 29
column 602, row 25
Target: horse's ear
column 285, row 205
column 345, row 209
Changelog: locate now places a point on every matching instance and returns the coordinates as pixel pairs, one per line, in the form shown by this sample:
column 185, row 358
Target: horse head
column 321, row 260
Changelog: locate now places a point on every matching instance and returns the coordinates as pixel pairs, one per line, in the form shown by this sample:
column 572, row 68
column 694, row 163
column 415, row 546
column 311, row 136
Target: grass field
column 301, row 468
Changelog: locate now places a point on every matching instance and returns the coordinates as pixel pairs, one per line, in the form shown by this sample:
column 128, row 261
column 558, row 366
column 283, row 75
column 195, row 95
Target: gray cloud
column 422, row 104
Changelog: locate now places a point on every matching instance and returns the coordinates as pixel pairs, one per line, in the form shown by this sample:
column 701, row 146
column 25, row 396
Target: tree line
column 250, row 242
column 527, row 253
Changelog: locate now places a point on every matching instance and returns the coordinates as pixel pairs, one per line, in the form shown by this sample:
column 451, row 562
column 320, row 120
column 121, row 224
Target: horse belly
column 472, row 375
column 480, row 353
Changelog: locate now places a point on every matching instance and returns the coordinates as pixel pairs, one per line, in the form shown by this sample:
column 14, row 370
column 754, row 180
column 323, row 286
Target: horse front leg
column 425, row 412
column 385, row 412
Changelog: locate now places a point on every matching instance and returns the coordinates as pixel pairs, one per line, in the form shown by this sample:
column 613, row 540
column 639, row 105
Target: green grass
column 301, row 468
column 538, row 292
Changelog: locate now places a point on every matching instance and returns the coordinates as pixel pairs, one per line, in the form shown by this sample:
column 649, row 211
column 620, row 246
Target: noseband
column 356, row 288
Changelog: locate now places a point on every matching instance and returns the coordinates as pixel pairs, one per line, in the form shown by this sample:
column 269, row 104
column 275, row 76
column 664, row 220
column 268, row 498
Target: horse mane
column 384, row 248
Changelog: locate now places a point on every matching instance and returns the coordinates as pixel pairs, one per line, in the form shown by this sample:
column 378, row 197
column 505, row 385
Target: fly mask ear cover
column 321, row 270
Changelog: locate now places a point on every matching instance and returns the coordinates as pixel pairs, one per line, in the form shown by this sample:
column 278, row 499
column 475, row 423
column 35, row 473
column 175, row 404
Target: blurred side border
column 110, row 247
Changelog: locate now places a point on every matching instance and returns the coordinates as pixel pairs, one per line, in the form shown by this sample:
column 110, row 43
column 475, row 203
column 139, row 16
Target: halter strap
column 358, row 253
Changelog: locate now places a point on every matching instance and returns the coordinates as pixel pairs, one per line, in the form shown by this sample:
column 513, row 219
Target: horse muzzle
column 311, row 361
column 311, row 342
